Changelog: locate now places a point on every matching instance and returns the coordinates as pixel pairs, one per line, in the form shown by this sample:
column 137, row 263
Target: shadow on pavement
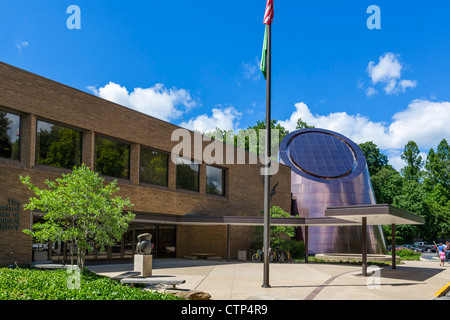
column 410, row 273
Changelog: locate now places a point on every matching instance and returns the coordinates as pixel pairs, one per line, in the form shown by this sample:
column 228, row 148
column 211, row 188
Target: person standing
column 441, row 248
column 442, row 257
column 447, row 252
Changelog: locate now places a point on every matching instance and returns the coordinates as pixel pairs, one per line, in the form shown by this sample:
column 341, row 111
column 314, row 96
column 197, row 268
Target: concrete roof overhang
column 334, row 216
column 377, row 214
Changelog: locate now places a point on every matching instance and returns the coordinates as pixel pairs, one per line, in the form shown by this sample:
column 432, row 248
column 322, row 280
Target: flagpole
column 267, row 164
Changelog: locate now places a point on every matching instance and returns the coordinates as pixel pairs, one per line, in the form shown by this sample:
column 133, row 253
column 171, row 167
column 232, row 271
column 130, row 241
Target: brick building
column 168, row 195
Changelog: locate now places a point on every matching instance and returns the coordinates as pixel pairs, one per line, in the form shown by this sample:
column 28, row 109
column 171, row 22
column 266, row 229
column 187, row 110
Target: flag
column 268, row 17
column 263, row 66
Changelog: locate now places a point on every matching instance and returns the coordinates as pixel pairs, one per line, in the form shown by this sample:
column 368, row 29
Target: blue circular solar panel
column 322, row 155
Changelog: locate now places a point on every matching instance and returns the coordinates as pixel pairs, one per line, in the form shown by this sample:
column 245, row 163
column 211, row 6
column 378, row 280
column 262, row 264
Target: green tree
column 439, row 218
column 374, row 158
column 413, row 199
column 437, row 171
column 280, row 236
column 248, row 139
column 302, row 124
column 78, row 208
column 387, row 184
column 411, row 155
column 259, row 128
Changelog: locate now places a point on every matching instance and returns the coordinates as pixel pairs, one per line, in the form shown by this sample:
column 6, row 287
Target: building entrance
column 163, row 246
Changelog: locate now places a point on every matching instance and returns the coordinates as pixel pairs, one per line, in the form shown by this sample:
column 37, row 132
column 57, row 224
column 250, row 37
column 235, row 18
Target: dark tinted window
column 215, row 180
column 187, row 174
column 153, row 167
column 9, row 135
column 112, row 158
column 57, row 146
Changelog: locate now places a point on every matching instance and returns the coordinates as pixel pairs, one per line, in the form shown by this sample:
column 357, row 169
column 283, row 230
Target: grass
column 32, row 284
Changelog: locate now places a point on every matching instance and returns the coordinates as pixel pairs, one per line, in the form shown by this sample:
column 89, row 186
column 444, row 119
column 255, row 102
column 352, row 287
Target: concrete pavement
column 412, row 280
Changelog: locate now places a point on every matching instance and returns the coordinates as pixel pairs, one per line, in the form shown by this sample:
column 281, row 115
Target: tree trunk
column 71, row 253
column 81, row 254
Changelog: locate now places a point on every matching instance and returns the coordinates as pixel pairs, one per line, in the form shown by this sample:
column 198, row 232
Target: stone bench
column 132, row 281
column 50, row 266
column 203, row 254
column 129, row 274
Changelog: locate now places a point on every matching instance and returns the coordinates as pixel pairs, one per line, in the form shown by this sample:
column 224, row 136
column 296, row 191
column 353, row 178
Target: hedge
column 32, row 284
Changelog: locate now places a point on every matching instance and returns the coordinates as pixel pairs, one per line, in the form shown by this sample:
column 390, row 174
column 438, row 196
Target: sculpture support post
column 143, row 258
column 143, row 264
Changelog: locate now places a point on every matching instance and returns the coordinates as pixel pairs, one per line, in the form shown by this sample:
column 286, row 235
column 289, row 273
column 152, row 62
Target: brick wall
column 35, row 97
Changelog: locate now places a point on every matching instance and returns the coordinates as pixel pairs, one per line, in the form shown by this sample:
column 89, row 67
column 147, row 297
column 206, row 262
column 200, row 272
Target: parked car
column 413, row 248
column 397, row 247
column 426, row 246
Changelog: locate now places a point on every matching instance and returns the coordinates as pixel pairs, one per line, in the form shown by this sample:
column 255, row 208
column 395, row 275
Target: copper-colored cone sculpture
column 327, row 170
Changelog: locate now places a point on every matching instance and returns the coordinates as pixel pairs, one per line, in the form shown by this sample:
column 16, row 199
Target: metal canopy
column 378, row 214
column 364, row 215
column 238, row 220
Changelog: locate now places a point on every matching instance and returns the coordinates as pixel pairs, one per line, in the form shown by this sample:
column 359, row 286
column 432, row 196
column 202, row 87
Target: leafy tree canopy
column 79, row 208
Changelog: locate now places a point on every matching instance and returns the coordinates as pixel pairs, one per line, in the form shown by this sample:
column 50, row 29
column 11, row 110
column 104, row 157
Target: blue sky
column 196, row 62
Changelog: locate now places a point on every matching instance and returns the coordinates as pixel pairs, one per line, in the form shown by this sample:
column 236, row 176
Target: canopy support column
column 228, row 243
column 394, row 260
column 364, row 245
column 306, row 244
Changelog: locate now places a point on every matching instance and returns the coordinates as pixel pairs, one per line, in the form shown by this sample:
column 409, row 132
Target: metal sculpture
column 328, row 169
column 144, row 245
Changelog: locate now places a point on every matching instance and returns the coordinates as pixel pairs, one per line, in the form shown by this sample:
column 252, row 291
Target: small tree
column 280, row 236
column 79, row 208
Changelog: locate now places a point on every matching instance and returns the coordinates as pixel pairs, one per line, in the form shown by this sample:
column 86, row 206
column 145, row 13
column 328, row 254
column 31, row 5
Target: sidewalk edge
column 442, row 291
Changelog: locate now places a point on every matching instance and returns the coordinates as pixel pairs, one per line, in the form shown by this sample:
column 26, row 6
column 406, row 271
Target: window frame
column 167, row 165
column 198, row 174
column 96, row 135
column 223, row 194
column 56, row 123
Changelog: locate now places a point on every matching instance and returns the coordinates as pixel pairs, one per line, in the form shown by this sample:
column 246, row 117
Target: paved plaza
column 412, row 280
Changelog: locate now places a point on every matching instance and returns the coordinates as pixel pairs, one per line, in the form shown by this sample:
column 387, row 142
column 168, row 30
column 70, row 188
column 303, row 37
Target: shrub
column 31, row 284
column 296, row 248
column 407, row 254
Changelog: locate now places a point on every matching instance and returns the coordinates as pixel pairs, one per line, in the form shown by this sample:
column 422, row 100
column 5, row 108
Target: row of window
column 61, row 146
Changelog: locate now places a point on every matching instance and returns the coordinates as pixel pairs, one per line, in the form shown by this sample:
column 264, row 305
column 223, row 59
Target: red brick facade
column 34, row 97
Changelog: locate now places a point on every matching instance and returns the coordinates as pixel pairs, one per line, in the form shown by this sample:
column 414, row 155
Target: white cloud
column 423, row 121
column 157, row 101
column 404, row 84
column 251, row 70
column 387, row 72
column 222, row 118
column 21, row 44
column 370, row 91
column 388, row 68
